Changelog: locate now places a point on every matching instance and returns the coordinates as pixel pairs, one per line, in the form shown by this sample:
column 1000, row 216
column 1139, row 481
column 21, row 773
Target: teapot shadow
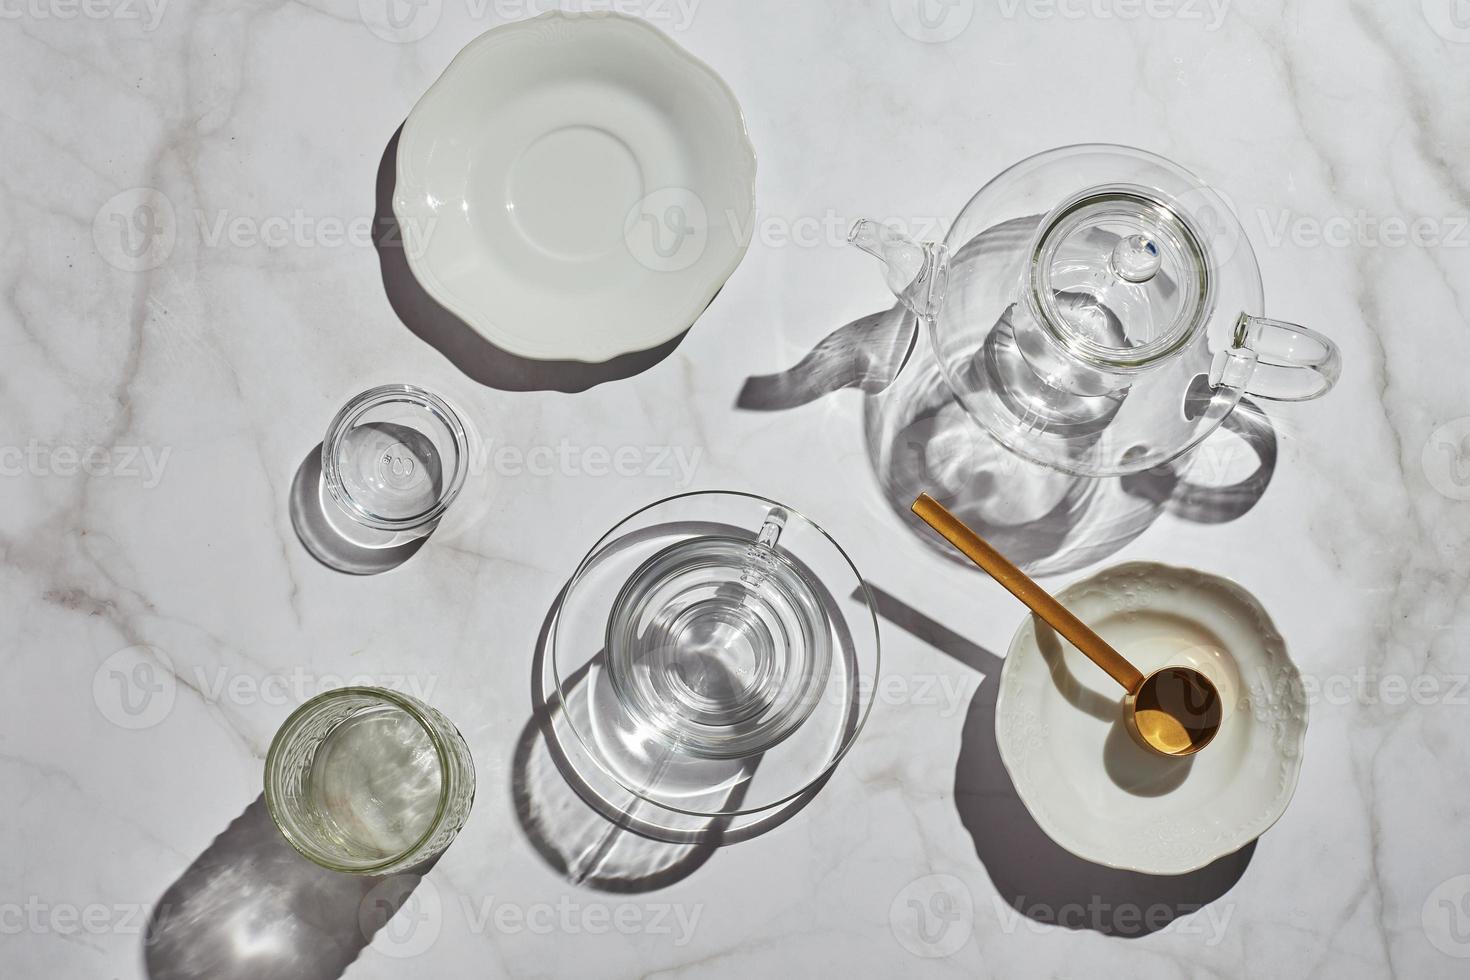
column 461, row 344
column 250, row 906
column 1033, row 875
column 919, row 440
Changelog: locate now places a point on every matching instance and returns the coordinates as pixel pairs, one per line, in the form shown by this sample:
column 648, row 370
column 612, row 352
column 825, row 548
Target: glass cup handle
column 1277, row 360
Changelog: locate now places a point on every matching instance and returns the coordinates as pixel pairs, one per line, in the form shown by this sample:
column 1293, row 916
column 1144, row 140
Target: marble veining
column 190, row 288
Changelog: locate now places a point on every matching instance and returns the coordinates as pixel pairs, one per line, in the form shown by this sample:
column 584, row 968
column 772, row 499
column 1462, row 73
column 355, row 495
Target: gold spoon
column 1174, row 711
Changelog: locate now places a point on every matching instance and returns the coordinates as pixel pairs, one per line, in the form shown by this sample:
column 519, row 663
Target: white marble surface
column 223, row 362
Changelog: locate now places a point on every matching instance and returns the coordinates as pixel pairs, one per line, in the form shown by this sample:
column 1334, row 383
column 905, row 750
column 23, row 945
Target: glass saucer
column 724, row 651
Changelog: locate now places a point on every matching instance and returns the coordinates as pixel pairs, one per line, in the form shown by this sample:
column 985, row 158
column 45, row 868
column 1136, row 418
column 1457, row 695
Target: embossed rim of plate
column 1272, row 650
column 596, row 349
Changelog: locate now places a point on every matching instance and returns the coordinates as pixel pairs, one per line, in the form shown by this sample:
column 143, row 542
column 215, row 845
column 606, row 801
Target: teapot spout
column 917, row 272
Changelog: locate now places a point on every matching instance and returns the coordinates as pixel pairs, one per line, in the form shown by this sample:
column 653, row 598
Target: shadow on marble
column 920, row 440
column 1037, row 877
column 590, row 829
column 251, row 907
column 866, row 354
column 336, row 543
column 1046, row 521
column 466, row 349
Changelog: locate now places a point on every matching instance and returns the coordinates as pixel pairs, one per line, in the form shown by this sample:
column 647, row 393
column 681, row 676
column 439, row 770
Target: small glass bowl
column 716, row 653
column 395, row 458
column 368, row 781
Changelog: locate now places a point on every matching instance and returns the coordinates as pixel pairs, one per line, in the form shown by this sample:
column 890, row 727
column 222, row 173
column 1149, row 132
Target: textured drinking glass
column 395, row 458
column 368, row 781
column 717, row 653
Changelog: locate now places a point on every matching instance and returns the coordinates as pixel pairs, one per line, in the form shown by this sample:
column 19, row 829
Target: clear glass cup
column 717, row 654
column 368, row 781
column 395, row 458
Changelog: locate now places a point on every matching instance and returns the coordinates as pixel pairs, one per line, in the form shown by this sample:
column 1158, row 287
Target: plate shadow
column 466, row 349
column 1036, row 877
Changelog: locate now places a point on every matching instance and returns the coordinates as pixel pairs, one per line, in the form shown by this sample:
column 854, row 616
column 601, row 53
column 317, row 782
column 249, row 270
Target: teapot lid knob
column 1135, row 259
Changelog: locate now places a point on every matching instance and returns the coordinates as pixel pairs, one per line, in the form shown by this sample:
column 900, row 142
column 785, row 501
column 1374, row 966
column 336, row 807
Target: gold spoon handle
column 1020, row 585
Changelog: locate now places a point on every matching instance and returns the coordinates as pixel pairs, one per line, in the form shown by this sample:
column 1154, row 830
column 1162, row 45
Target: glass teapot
column 1096, row 309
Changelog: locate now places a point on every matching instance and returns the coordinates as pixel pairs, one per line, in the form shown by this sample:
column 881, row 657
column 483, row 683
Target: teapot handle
column 1277, row 360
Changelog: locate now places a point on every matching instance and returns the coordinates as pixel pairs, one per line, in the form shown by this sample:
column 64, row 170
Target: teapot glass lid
column 1121, row 275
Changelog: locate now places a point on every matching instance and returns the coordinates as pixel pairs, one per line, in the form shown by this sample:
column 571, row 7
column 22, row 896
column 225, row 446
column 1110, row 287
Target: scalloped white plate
column 575, row 187
column 1100, row 796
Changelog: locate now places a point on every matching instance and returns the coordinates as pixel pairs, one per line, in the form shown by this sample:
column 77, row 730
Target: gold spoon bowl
column 1175, row 711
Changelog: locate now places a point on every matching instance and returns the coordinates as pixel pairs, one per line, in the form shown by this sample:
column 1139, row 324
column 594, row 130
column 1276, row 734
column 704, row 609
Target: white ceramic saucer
column 575, row 187
column 1089, row 786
